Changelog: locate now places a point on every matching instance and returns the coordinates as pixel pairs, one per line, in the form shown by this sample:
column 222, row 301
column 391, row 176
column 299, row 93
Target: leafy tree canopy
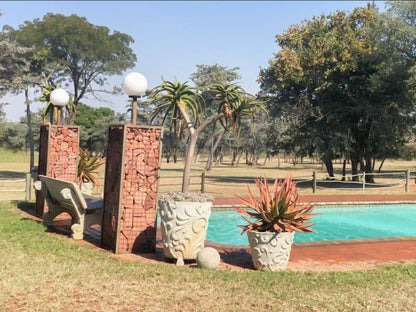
column 76, row 51
column 211, row 74
column 344, row 83
column 91, row 119
column 14, row 65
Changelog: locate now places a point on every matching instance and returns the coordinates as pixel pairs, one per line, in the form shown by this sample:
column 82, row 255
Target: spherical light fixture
column 135, row 85
column 59, row 97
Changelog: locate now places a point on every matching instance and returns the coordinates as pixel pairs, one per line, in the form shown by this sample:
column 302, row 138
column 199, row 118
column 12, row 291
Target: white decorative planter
column 87, row 188
column 270, row 251
column 184, row 227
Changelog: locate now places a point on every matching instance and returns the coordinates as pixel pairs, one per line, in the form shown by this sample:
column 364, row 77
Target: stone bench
column 63, row 196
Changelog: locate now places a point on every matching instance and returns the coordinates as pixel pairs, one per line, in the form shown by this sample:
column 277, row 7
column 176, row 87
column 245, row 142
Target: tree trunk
column 344, row 169
column 29, row 130
column 266, row 158
column 239, row 157
column 381, row 165
column 329, row 167
column 220, row 158
column 214, row 147
column 354, row 168
column 234, row 157
column 198, row 156
column 188, row 162
column 369, row 178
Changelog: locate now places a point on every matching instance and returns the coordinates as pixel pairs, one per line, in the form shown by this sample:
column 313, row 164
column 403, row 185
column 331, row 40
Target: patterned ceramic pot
column 270, row 251
column 184, row 228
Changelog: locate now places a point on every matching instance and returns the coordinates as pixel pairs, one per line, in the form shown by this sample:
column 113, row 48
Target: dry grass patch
column 43, row 271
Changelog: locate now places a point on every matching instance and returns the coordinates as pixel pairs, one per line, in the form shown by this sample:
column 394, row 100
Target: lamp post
column 134, row 85
column 59, row 98
column 131, row 175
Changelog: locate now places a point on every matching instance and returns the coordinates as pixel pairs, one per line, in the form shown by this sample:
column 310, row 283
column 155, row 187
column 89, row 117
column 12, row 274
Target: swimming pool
column 335, row 223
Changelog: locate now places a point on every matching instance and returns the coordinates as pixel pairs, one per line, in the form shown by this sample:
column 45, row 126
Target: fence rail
column 350, row 182
column 19, row 186
column 390, row 179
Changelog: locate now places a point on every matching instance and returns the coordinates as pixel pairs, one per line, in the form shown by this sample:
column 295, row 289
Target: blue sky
column 172, row 37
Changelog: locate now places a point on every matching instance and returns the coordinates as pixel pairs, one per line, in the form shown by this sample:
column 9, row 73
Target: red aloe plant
column 276, row 210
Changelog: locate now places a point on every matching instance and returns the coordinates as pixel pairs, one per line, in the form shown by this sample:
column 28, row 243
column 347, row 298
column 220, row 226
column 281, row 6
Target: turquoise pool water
column 335, row 223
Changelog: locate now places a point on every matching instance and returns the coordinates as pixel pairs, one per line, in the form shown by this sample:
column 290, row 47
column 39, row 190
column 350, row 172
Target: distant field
column 224, row 180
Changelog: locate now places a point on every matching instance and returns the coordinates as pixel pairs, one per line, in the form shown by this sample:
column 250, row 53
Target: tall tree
column 89, row 119
column 76, row 51
column 205, row 76
column 347, row 86
column 17, row 76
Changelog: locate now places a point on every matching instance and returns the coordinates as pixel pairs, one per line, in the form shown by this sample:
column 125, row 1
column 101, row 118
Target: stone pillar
column 130, row 190
column 58, row 157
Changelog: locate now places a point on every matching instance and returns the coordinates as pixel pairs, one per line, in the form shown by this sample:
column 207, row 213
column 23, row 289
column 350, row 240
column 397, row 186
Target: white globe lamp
column 134, row 85
column 59, row 98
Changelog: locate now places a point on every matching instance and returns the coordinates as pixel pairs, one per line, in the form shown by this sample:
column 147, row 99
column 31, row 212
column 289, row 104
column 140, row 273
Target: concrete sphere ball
column 208, row 258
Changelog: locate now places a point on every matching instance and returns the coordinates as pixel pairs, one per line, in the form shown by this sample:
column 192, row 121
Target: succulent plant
column 277, row 210
column 87, row 167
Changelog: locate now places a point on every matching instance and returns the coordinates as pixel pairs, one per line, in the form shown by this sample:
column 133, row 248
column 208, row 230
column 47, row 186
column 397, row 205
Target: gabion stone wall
column 131, row 184
column 58, row 156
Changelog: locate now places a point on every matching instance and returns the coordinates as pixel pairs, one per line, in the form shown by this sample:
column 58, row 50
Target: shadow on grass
column 12, row 175
column 62, row 226
column 240, row 258
column 26, row 206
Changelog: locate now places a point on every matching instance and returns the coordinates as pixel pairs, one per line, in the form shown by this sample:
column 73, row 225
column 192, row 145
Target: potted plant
column 87, row 171
column 276, row 216
column 184, row 222
column 181, row 106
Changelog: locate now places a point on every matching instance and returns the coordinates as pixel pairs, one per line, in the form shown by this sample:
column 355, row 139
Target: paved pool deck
column 334, row 255
column 318, row 256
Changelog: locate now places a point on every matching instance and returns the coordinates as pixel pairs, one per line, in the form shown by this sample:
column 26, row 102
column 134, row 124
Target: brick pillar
column 130, row 190
column 58, row 157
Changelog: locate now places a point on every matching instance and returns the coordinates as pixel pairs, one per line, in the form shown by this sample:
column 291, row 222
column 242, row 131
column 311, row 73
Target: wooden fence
column 16, row 186
column 199, row 182
column 389, row 179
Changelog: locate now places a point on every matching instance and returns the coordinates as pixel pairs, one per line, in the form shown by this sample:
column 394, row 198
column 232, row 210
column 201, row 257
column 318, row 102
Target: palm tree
column 233, row 102
column 178, row 103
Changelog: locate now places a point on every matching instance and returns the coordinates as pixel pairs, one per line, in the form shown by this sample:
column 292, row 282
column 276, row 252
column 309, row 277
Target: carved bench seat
column 63, row 196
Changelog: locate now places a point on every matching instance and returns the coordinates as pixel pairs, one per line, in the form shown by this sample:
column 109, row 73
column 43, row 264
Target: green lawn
column 43, row 271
